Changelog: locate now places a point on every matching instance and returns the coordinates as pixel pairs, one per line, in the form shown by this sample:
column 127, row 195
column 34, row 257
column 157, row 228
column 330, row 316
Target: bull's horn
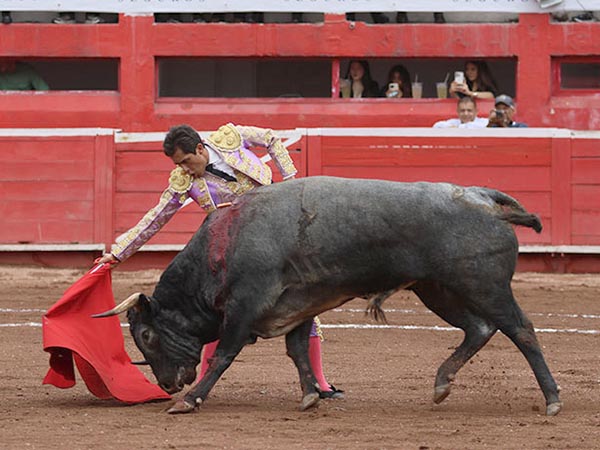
column 126, row 304
column 140, row 363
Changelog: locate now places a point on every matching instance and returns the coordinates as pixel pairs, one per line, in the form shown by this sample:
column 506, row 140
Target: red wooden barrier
column 65, row 193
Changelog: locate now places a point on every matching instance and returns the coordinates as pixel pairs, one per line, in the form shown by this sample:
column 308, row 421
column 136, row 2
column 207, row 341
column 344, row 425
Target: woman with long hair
column 399, row 75
column 478, row 83
column 361, row 84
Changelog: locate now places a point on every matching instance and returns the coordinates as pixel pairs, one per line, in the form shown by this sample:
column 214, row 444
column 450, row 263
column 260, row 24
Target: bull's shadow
column 284, row 253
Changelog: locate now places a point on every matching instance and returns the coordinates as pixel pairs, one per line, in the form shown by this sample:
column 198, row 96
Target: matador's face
column 192, row 163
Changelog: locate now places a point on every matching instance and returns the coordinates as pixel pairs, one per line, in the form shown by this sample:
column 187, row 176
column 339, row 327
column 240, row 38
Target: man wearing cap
column 502, row 115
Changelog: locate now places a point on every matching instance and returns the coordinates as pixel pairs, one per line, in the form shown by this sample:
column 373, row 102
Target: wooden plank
column 586, row 223
column 47, row 171
column 335, row 156
column 54, row 149
column 533, row 179
column 586, row 239
column 45, row 190
column 144, row 161
column 315, row 156
column 586, row 148
column 30, row 230
column 152, row 182
column 66, row 211
column 125, row 147
column 586, row 171
column 104, row 163
column 561, row 191
column 586, row 197
column 527, row 236
column 539, row 203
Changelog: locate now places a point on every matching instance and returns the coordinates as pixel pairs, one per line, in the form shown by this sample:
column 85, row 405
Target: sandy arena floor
column 387, row 374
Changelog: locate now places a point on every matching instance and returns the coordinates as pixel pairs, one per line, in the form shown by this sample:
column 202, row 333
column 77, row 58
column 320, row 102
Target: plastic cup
column 345, row 87
column 417, row 89
column 442, row 90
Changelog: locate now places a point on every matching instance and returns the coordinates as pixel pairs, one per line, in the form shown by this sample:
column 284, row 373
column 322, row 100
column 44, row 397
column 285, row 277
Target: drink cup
column 442, row 90
column 417, row 89
column 345, row 88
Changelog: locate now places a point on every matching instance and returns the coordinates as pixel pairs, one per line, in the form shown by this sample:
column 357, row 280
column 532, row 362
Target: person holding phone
column 398, row 83
column 476, row 81
column 502, row 114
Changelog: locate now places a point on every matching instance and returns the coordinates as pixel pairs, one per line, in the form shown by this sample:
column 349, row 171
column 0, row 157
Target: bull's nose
column 171, row 388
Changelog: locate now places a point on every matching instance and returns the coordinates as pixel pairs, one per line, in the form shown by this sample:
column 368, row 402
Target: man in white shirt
column 467, row 116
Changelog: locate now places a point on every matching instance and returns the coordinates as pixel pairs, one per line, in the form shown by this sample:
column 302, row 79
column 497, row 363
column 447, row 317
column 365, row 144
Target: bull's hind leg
column 453, row 310
column 513, row 322
column 296, row 342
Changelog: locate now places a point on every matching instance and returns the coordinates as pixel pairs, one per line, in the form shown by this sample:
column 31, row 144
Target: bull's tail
column 514, row 212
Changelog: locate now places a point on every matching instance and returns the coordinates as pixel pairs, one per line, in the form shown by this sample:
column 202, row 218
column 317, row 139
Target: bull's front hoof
column 181, row 407
column 440, row 393
column 309, row 401
column 553, row 408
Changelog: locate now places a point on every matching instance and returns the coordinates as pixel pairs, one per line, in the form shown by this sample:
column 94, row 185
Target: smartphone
column 393, row 87
column 459, row 77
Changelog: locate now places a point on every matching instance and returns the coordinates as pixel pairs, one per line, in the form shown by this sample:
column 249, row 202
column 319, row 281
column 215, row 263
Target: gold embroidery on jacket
column 318, row 330
column 204, row 198
column 180, row 181
column 242, row 185
column 227, row 138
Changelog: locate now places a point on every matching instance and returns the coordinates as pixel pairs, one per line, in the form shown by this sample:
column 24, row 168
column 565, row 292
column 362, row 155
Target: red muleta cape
column 96, row 345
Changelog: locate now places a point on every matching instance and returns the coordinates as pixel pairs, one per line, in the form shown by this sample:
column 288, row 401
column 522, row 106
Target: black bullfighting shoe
column 334, row 393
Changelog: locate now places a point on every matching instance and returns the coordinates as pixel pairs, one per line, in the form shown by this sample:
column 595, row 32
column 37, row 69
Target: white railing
column 318, row 6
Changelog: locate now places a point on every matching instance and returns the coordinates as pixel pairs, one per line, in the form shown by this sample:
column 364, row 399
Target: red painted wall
column 137, row 41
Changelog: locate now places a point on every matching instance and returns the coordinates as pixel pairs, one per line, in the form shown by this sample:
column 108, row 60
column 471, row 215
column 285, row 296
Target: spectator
column 402, row 17
column 361, row 83
column 6, row 17
column 467, row 116
column 479, row 82
column 502, row 116
column 378, row 17
column 252, row 17
column 18, row 76
column 399, row 75
column 69, row 17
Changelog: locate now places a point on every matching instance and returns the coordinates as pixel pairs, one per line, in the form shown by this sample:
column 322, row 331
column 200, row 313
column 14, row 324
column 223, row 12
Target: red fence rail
column 76, row 190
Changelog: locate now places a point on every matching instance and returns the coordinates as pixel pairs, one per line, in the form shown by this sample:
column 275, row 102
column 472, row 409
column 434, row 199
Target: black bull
column 284, row 253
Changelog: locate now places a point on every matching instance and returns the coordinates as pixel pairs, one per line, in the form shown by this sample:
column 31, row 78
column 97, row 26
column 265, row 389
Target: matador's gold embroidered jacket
column 231, row 142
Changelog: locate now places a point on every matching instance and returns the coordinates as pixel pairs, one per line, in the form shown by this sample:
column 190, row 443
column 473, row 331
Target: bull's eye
column 148, row 337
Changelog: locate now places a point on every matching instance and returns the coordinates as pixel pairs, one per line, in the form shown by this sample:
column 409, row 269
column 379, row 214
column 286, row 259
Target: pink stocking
column 314, row 355
column 209, row 351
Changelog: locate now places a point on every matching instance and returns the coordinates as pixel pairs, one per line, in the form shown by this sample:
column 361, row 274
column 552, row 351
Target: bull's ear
column 143, row 303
